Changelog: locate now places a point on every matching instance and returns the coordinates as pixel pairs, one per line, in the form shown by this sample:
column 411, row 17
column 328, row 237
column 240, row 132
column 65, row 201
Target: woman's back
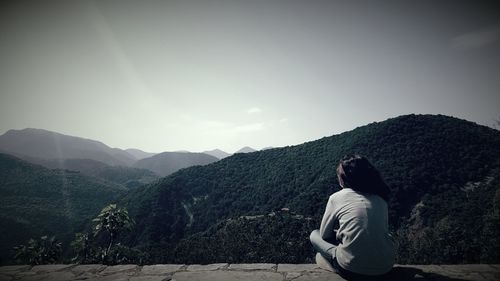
column 354, row 234
column 365, row 245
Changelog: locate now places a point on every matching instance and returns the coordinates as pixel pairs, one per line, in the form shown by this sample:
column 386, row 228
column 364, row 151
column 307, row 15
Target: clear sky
column 199, row 75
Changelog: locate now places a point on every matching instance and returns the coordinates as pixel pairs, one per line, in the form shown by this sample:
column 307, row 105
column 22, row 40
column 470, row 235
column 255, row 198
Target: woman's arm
column 326, row 229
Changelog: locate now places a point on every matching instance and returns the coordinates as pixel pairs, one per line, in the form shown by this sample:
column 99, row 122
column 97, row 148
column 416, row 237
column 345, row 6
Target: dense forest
column 444, row 175
column 36, row 201
column 277, row 237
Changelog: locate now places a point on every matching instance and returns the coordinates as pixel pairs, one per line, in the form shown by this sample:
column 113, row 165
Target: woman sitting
column 353, row 239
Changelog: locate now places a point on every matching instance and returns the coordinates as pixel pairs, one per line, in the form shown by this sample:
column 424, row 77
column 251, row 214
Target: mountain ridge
column 444, row 175
column 220, row 154
column 418, row 155
column 246, row 149
column 56, row 150
column 139, row 154
column 42, row 143
column 166, row 163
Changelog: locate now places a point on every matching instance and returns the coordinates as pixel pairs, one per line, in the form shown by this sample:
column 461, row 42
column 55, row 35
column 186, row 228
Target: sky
column 199, row 75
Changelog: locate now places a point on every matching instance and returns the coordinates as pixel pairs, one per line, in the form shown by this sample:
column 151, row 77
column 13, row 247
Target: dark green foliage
column 423, row 158
column 36, row 201
column 85, row 252
column 455, row 227
column 102, row 247
column 121, row 254
column 279, row 237
column 112, row 221
column 490, row 239
column 42, row 251
column 126, row 176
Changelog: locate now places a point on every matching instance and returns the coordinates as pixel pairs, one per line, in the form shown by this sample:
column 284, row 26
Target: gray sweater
column 359, row 223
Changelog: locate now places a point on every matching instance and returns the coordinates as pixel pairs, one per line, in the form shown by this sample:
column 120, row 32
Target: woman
column 353, row 238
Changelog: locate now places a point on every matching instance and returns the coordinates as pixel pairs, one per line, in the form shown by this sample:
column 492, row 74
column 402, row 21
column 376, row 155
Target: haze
column 186, row 75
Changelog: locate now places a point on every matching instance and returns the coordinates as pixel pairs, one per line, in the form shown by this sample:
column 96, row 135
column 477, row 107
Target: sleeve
column 326, row 229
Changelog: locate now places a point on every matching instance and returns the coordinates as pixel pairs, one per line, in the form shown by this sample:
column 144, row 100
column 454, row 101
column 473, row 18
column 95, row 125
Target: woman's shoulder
column 349, row 194
column 341, row 193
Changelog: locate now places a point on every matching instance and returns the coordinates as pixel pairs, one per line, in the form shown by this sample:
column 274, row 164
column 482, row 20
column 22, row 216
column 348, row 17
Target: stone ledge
column 224, row 271
column 253, row 266
column 161, row 269
column 208, row 267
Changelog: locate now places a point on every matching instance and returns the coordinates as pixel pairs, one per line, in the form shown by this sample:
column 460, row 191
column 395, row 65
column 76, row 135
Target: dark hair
column 357, row 173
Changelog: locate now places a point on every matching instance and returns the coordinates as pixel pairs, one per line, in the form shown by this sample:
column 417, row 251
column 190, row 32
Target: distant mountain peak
column 46, row 144
column 217, row 153
column 139, row 154
column 166, row 163
column 246, row 149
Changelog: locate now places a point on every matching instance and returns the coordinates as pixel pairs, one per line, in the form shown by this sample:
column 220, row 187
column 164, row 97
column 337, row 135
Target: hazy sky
column 172, row 75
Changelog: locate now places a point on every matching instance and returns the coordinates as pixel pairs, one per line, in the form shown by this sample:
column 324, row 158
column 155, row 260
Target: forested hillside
column 127, row 176
column 36, row 201
column 277, row 237
column 443, row 174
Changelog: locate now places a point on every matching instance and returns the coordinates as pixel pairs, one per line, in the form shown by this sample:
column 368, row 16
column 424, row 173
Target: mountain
column 167, row 163
column 36, row 201
column 126, row 176
column 220, row 154
column 51, row 145
column 139, row 154
column 245, row 149
column 444, row 175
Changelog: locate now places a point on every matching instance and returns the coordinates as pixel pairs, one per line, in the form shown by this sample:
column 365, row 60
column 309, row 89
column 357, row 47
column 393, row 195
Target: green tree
column 43, row 251
column 84, row 250
column 112, row 220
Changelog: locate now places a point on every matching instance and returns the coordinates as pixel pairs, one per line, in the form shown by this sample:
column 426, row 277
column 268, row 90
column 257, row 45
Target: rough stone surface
column 229, row 272
column 58, row 276
column 292, row 275
column 34, row 277
column 88, row 268
column 129, row 268
column 150, row 278
column 112, row 277
column 221, row 275
column 298, row 267
column 208, row 267
column 5, row 277
column 252, row 266
column 319, row 276
column 468, row 268
column 26, row 273
column 160, row 269
column 50, row 267
column 12, row 268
